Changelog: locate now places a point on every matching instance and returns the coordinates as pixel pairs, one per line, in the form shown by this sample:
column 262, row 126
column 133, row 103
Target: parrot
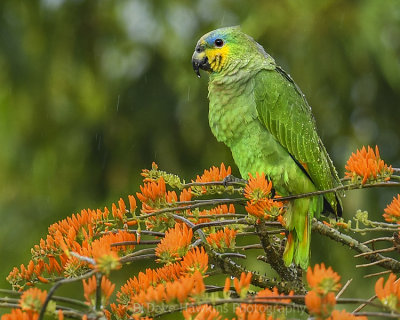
column 258, row 111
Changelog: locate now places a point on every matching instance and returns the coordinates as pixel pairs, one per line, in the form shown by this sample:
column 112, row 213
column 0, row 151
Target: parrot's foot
column 232, row 179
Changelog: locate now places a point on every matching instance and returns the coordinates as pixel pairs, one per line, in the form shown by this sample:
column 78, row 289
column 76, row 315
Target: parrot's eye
column 219, row 42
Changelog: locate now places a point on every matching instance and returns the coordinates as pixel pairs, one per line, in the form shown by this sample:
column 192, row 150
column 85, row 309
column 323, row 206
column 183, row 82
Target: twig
column 378, row 239
column 378, row 314
column 219, row 223
column 373, row 252
column 372, row 263
column 250, row 246
column 344, row 288
column 196, row 204
column 130, row 243
column 377, row 274
column 213, row 183
column 387, row 263
column 139, row 257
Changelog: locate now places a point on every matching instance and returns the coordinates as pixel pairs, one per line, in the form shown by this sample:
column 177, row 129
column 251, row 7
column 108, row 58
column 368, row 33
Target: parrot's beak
column 200, row 60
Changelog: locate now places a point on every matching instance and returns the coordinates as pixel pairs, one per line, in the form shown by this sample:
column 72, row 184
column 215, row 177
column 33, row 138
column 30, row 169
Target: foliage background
column 93, row 91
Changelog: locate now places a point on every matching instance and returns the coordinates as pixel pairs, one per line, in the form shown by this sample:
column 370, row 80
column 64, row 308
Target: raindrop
column 118, row 103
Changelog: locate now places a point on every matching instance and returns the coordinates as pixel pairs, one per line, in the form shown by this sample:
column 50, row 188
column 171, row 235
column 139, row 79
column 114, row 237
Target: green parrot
column 258, row 111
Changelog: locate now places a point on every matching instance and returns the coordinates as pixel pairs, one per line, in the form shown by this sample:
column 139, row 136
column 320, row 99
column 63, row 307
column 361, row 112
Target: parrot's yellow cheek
column 217, row 57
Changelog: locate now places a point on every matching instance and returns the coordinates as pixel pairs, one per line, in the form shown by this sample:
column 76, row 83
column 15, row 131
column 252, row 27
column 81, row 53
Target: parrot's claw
column 232, row 179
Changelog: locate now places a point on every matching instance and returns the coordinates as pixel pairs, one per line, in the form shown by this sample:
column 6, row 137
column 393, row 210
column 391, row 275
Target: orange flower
column 260, row 205
column 367, row 166
column 18, row 314
column 119, row 311
column 32, row 300
column 323, row 280
column 214, row 174
column 132, row 203
column 248, row 312
column 389, row 294
column 176, row 291
column 146, row 279
column 175, row 243
column 242, row 286
column 195, row 260
column 186, row 195
column 219, row 210
column 152, row 194
column 266, row 210
column 203, row 312
column 392, row 211
column 227, row 286
column 90, row 287
column 320, row 306
column 273, row 293
column 257, row 188
column 26, row 275
column 344, row 315
column 222, row 239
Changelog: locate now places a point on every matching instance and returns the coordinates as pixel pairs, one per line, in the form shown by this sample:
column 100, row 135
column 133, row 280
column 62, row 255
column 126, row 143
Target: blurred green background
column 91, row 92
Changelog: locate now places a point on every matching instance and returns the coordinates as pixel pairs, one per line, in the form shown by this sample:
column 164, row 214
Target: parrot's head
column 223, row 48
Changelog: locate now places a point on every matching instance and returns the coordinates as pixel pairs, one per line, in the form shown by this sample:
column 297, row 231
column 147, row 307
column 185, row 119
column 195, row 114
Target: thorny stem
column 376, row 258
column 274, row 258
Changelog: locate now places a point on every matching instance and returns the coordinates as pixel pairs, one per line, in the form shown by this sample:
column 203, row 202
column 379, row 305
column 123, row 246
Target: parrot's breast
column 234, row 120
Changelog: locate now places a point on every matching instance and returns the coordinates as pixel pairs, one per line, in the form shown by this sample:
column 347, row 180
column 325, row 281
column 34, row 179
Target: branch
column 376, row 258
column 274, row 259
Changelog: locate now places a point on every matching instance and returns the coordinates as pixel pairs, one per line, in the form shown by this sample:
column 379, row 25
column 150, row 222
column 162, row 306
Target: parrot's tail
column 298, row 220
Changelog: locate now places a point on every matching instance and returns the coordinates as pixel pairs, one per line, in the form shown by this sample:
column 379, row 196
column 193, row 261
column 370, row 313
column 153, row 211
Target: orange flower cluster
column 32, row 300
column 258, row 311
column 222, row 239
column 323, row 280
column 30, row 303
column 247, row 312
column 27, row 275
column 392, row 211
column 178, row 291
column 175, row 243
column 219, row 210
column 241, row 286
column 366, row 166
column 215, row 174
column 212, row 175
column 196, row 260
column 344, row 315
column 18, row 314
column 82, row 234
column 389, row 293
column 90, row 287
column 321, row 300
column 260, row 204
column 201, row 312
column 154, row 196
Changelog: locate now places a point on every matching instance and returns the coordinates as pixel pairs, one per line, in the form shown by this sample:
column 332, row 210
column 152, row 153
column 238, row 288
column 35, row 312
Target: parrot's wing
column 284, row 111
